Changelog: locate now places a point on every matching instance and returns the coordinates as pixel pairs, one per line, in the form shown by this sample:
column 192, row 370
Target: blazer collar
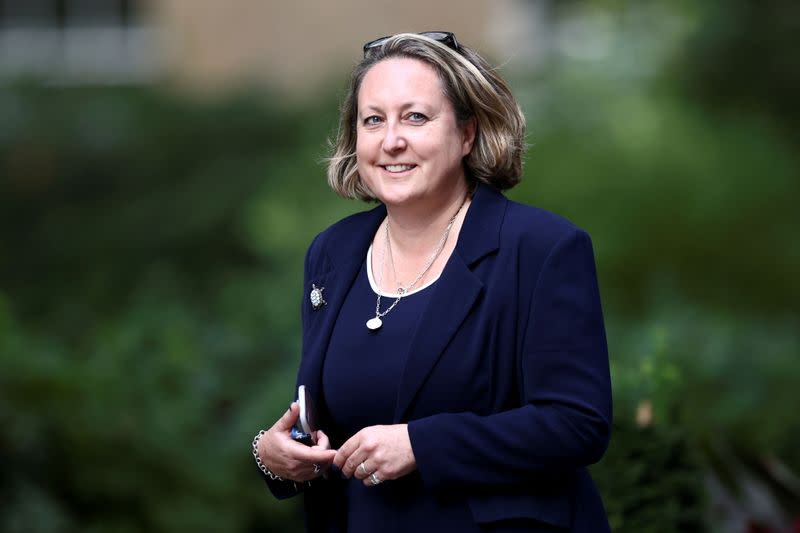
column 480, row 233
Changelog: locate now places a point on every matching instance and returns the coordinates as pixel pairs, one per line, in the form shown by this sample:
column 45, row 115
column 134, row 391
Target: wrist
column 263, row 467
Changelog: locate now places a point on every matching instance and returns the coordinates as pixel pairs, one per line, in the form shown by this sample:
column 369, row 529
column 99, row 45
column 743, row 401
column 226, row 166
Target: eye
column 372, row 120
column 418, row 118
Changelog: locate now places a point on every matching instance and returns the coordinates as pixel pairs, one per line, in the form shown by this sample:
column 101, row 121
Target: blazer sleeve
column 564, row 418
column 283, row 489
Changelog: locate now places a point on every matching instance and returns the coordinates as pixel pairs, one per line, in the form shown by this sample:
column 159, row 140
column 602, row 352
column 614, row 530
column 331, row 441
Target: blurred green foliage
column 151, row 251
column 149, row 305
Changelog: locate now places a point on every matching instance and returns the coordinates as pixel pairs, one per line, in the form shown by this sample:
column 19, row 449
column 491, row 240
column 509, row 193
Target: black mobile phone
column 306, row 425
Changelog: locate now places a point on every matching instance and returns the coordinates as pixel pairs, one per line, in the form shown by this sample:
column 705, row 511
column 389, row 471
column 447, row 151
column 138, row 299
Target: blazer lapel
column 455, row 294
column 346, row 251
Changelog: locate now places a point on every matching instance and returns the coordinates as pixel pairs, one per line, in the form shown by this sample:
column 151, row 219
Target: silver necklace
column 376, row 322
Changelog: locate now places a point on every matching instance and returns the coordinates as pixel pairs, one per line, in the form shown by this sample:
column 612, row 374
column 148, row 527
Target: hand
column 290, row 459
column 384, row 450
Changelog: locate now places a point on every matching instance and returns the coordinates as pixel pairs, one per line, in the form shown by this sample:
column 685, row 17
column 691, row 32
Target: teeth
column 398, row 168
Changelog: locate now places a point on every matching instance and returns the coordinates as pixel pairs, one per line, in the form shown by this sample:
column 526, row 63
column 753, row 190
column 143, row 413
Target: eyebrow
column 403, row 107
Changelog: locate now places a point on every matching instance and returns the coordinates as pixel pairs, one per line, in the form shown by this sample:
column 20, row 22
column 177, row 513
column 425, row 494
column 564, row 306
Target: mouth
column 395, row 169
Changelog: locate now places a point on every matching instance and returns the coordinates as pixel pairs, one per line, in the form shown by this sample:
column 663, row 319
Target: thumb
column 288, row 419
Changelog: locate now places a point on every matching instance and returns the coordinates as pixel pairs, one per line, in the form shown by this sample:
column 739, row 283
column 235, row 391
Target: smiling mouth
column 398, row 168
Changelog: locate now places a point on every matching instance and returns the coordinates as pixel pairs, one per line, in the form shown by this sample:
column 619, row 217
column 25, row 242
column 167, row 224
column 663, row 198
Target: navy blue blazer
column 506, row 389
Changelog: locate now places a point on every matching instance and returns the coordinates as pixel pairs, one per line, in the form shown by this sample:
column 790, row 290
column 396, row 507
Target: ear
column 468, row 136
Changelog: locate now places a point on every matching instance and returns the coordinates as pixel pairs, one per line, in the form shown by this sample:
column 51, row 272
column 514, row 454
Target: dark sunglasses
column 444, row 37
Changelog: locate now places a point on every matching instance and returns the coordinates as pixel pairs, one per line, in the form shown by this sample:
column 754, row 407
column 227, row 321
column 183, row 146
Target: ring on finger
column 374, row 479
column 316, row 469
column 363, row 468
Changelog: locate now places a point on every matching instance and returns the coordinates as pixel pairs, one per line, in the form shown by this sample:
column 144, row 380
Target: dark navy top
column 365, row 395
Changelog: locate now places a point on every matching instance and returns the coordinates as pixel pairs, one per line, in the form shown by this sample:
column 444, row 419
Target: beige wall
column 296, row 46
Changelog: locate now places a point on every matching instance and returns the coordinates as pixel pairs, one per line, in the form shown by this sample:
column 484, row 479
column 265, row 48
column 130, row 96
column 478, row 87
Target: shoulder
column 349, row 227
column 346, row 236
column 534, row 228
column 553, row 255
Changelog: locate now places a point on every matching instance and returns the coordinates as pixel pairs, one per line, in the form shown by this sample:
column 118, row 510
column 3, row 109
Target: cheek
column 429, row 145
column 364, row 148
column 359, row 146
column 455, row 152
column 363, row 159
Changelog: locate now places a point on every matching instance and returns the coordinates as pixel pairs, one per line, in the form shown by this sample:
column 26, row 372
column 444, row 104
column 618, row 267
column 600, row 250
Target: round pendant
column 374, row 323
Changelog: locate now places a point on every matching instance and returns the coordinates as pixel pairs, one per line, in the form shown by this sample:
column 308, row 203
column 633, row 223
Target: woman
column 453, row 341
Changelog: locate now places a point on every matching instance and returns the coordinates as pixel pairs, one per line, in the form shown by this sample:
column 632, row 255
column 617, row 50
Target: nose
column 394, row 140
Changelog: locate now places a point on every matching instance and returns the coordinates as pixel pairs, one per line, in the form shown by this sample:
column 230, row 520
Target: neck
column 417, row 228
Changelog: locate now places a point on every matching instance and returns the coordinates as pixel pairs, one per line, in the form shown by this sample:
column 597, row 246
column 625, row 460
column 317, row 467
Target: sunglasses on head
column 445, row 37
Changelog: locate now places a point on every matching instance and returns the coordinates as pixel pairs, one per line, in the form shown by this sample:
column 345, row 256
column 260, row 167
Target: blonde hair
column 474, row 89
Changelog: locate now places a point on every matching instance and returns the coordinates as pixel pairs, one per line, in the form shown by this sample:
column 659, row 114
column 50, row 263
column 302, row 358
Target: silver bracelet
column 259, row 462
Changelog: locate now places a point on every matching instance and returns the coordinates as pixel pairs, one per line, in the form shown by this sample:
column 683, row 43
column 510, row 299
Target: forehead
column 400, row 78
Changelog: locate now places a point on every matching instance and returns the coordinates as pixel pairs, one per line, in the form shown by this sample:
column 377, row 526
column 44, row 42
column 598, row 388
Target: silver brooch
column 316, row 297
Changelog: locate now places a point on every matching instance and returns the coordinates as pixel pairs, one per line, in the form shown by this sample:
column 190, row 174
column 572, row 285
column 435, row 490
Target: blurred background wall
column 161, row 176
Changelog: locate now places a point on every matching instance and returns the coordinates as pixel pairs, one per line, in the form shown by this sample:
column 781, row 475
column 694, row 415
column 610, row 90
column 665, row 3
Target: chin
column 394, row 195
column 398, row 198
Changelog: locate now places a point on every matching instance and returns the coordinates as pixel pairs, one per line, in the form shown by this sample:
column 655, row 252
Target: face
column 409, row 145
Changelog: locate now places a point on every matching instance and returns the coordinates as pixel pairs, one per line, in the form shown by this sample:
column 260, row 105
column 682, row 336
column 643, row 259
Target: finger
column 353, row 465
column 288, row 419
column 350, row 458
column 304, row 454
column 302, row 469
column 345, row 451
column 369, row 481
column 307, row 472
column 323, row 443
column 322, row 440
column 302, row 472
column 361, row 473
column 348, row 463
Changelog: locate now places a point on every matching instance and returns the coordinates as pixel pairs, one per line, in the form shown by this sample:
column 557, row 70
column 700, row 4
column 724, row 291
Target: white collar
column 374, row 285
